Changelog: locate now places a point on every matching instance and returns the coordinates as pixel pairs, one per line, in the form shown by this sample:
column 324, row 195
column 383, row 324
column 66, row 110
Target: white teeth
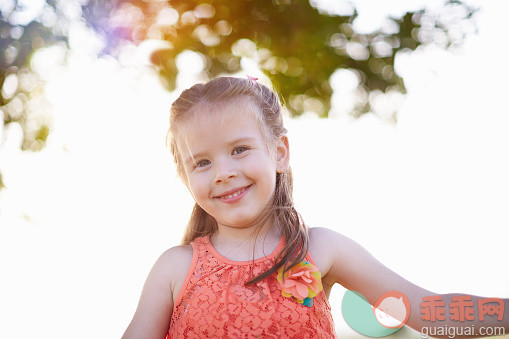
column 234, row 194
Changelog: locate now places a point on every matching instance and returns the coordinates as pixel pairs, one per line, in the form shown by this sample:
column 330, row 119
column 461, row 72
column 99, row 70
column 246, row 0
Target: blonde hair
column 282, row 211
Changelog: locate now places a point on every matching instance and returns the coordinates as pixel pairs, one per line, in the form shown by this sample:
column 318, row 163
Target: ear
column 282, row 154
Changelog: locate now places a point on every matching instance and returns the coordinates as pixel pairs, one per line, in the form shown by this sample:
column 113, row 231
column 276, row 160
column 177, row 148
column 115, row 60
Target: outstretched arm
column 357, row 270
column 153, row 314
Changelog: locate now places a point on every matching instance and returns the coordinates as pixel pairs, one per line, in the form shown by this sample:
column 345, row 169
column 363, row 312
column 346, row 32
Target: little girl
column 248, row 266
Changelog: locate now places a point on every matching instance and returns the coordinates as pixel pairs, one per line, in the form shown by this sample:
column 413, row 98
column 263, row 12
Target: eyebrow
column 231, row 143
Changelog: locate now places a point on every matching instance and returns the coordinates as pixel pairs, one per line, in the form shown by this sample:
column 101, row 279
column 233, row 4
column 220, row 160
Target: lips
column 232, row 193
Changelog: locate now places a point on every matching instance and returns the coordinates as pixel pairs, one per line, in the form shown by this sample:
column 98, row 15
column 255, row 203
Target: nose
column 224, row 171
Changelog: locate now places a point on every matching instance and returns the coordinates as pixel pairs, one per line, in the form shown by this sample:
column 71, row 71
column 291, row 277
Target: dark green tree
column 296, row 45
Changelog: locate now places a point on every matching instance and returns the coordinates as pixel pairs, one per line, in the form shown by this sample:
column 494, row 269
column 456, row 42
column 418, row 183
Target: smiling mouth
column 234, row 194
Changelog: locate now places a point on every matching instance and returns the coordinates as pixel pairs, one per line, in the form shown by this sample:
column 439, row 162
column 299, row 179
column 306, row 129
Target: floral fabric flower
column 301, row 282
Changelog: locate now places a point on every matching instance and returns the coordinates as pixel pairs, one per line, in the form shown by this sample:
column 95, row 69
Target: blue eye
column 240, row 149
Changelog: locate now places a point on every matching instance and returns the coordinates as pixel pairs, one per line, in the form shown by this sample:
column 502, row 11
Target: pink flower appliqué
column 301, row 282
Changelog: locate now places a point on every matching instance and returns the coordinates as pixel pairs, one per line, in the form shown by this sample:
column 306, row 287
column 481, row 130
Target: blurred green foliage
column 295, row 44
column 18, row 83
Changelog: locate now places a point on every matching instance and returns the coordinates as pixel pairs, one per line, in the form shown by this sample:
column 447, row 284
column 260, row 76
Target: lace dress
column 213, row 301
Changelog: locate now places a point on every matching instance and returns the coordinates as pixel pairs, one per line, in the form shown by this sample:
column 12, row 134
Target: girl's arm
column 357, row 270
column 153, row 314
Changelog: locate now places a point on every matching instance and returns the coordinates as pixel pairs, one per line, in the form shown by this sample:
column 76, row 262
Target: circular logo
column 386, row 316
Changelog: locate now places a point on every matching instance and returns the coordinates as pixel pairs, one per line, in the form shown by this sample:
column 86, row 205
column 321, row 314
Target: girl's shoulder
column 326, row 242
column 174, row 264
column 329, row 249
column 177, row 260
column 320, row 250
column 152, row 316
column 178, row 252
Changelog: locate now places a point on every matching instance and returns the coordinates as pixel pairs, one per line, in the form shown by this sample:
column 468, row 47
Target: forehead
column 209, row 125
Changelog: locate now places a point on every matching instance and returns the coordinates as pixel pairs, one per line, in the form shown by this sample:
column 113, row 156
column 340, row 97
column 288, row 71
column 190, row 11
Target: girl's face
column 229, row 166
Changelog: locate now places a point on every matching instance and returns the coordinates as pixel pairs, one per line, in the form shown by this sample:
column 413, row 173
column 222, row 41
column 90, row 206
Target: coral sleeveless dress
column 213, row 301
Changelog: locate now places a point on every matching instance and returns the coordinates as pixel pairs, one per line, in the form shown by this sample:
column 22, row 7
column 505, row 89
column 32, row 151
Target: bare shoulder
column 331, row 251
column 171, row 261
column 152, row 316
column 327, row 242
column 349, row 264
column 322, row 232
column 176, row 255
column 175, row 262
column 322, row 242
column 177, row 252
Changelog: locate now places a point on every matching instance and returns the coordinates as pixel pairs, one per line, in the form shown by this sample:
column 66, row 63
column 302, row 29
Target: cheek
column 266, row 176
column 262, row 172
column 198, row 187
column 261, row 164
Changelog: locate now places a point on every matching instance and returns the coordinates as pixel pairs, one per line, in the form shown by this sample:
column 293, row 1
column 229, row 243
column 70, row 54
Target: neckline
column 246, row 262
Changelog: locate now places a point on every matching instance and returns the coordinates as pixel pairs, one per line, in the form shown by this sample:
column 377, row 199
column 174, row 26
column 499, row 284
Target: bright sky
column 82, row 222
